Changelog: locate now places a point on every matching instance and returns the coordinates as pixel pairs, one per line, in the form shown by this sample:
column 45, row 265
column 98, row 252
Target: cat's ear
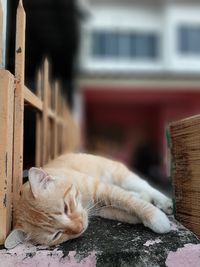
column 73, row 193
column 39, row 180
column 15, row 238
column 70, row 192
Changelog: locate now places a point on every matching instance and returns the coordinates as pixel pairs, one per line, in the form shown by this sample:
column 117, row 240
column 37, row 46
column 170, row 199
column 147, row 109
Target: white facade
column 180, row 14
column 160, row 17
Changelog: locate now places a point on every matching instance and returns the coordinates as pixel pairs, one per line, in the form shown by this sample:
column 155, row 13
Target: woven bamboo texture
column 185, row 162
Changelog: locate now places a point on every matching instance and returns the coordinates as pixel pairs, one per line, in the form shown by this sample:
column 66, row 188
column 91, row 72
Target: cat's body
column 57, row 201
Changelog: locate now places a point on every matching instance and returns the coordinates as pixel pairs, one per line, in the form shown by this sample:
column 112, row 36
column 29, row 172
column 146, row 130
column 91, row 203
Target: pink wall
column 139, row 113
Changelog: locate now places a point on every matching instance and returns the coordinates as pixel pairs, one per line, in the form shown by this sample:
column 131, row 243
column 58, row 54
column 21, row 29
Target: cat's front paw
column 158, row 222
column 164, row 203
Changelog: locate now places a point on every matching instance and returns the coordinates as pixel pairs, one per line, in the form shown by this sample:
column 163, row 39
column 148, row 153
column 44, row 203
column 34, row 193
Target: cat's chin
column 75, row 236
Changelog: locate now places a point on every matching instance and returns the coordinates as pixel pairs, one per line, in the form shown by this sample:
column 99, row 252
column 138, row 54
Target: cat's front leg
column 117, row 214
column 161, row 201
column 149, row 215
column 133, row 182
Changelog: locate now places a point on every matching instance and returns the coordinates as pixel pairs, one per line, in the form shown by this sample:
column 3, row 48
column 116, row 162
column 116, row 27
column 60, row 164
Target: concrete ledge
column 112, row 244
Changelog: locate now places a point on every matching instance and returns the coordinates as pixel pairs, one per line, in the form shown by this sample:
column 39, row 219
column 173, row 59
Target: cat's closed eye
column 57, row 235
column 65, row 208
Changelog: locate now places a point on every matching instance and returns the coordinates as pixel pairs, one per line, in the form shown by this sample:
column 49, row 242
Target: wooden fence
column 56, row 131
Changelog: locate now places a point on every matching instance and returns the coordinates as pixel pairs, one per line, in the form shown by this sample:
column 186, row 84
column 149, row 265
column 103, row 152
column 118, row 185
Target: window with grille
column 125, row 45
column 189, row 40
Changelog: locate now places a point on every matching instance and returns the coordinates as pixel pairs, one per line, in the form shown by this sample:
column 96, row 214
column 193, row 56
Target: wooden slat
column 38, row 149
column 51, row 119
column 19, row 102
column 39, row 84
column 32, row 99
column 6, row 149
column 1, row 35
column 66, row 145
column 59, row 101
column 55, row 126
column 50, row 139
column 45, row 113
column 51, row 114
column 63, row 125
column 49, row 94
column 59, row 120
column 59, row 139
column 38, row 154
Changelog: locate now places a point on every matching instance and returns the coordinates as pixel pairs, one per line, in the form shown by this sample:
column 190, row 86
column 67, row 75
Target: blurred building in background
column 139, row 70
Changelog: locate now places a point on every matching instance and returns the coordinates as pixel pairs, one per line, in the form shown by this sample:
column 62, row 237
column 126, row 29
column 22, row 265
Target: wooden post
column 64, row 126
column 38, row 154
column 67, row 129
column 6, row 150
column 1, row 35
column 64, row 117
column 19, row 102
column 58, row 122
column 55, row 126
column 61, row 123
column 45, row 113
column 49, row 140
column 50, row 123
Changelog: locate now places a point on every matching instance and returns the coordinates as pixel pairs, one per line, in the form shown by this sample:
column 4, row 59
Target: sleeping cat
column 57, row 202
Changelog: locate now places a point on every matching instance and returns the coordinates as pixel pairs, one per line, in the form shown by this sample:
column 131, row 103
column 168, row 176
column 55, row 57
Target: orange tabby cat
column 58, row 200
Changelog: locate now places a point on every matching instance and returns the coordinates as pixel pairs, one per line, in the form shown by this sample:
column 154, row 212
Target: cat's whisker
column 89, row 203
column 94, row 205
column 92, row 211
column 95, row 211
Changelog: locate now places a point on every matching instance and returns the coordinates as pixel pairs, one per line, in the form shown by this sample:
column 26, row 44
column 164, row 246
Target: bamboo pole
column 19, row 102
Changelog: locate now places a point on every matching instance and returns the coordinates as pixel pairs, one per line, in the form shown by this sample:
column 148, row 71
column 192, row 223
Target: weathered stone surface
column 110, row 243
column 117, row 244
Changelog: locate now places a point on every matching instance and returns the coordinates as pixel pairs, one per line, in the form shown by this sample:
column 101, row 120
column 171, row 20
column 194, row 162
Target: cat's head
column 47, row 212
